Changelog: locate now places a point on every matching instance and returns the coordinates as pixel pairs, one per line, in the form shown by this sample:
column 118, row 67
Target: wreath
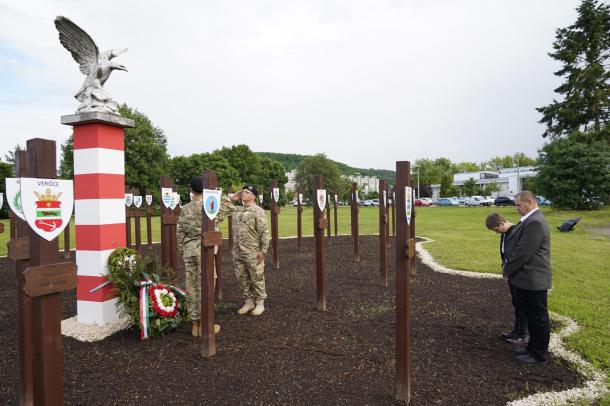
column 145, row 292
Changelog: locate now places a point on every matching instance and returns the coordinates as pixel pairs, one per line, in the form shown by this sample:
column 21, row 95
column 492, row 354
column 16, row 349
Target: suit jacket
column 508, row 244
column 528, row 259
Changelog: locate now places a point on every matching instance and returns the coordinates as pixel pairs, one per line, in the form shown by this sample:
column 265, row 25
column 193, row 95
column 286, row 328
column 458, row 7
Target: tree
column 447, row 185
column 182, row 169
column 573, row 174
column 470, row 187
column 146, row 156
column 319, row 165
column 583, row 48
column 246, row 162
column 66, row 165
column 463, row 167
column 6, row 171
column 491, row 188
column 508, row 161
column 10, row 155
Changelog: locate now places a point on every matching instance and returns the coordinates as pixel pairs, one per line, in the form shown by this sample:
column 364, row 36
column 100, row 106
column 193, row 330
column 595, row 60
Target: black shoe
column 508, row 334
column 518, row 340
column 528, row 359
column 521, row 351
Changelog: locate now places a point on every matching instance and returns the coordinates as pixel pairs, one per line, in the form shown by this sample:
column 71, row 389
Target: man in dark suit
column 499, row 224
column 528, row 268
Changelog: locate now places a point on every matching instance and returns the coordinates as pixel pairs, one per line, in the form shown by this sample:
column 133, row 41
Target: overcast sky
column 368, row 82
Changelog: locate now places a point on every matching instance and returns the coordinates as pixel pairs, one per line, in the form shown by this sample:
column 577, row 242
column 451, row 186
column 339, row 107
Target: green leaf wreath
column 129, row 273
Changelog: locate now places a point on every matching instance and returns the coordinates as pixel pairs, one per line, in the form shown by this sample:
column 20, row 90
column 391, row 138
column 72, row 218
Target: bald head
column 525, row 202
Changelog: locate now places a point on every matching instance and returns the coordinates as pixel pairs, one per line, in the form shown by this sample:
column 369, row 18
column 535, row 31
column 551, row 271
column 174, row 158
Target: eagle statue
column 95, row 65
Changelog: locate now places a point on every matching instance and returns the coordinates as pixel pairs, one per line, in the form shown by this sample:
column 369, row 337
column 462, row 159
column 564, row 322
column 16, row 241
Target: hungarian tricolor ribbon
column 144, row 308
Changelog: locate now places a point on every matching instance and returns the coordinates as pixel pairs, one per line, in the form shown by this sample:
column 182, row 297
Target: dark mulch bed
column 294, row 354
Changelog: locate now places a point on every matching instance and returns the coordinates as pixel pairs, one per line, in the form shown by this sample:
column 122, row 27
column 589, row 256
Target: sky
column 367, row 82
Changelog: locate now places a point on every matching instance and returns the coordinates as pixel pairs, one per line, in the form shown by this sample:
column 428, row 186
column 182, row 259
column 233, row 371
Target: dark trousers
column 534, row 304
column 520, row 328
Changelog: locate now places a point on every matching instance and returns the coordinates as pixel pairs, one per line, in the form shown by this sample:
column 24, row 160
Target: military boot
column 260, row 307
column 196, row 330
column 247, row 307
column 216, row 329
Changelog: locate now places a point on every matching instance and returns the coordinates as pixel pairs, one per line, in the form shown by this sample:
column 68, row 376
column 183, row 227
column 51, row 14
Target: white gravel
column 91, row 332
column 595, row 386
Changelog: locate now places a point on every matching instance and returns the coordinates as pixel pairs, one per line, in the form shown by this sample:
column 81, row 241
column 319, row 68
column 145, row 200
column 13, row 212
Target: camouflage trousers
column 192, row 267
column 250, row 277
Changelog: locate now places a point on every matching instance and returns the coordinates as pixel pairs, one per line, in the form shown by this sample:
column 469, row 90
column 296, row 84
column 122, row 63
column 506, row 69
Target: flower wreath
column 145, row 294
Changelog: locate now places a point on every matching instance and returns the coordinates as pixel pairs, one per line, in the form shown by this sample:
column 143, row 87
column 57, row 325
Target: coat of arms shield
column 175, row 200
column 276, row 194
column 301, row 198
column 148, row 200
column 211, row 202
column 321, row 197
column 137, row 201
column 128, row 199
column 167, row 196
column 408, row 203
column 13, row 196
column 47, row 205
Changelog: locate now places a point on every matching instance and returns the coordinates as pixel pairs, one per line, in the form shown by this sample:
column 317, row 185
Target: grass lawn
column 581, row 259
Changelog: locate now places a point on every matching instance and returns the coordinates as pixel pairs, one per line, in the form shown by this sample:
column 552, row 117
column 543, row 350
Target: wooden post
column 137, row 213
column 319, row 224
column 24, row 303
column 46, row 309
column 67, row 242
column 12, row 224
column 209, row 238
column 394, row 211
column 405, row 249
column 299, row 214
column 149, row 211
column 336, row 222
column 275, row 210
column 354, row 206
column 229, row 227
column 169, row 220
column 328, row 226
column 128, row 215
column 383, row 222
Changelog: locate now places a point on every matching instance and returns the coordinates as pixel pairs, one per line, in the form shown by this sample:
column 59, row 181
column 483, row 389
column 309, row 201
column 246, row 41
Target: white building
column 291, row 184
column 365, row 182
column 510, row 180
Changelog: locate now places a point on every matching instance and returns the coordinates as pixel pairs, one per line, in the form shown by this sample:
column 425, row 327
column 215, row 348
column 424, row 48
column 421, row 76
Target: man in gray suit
column 528, row 268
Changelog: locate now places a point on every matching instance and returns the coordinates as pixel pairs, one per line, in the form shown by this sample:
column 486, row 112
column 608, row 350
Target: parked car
column 427, row 199
column 374, row 203
column 447, row 201
column 504, row 201
column 489, row 200
column 477, row 201
column 422, row 203
column 542, row 201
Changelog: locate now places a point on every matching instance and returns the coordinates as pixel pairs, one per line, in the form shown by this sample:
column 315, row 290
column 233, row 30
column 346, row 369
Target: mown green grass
column 580, row 259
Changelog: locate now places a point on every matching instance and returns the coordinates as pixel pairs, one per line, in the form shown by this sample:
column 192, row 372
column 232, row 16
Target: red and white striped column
column 99, row 208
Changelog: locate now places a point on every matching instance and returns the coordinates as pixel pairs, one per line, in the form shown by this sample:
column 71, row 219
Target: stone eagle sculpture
column 96, row 65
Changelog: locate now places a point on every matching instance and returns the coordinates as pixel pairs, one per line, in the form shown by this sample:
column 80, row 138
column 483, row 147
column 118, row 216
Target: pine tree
column 584, row 51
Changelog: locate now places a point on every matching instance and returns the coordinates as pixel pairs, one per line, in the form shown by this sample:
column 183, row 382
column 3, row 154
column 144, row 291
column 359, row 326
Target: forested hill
column 291, row 161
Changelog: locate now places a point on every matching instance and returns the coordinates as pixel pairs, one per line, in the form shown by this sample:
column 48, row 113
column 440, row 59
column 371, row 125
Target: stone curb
column 595, row 387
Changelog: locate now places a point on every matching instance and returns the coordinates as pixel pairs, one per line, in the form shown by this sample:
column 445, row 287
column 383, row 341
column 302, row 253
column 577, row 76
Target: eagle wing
column 78, row 43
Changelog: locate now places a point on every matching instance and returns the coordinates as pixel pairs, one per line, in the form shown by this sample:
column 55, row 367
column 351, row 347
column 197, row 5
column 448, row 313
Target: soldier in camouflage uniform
column 189, row 246
column 251, row 244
